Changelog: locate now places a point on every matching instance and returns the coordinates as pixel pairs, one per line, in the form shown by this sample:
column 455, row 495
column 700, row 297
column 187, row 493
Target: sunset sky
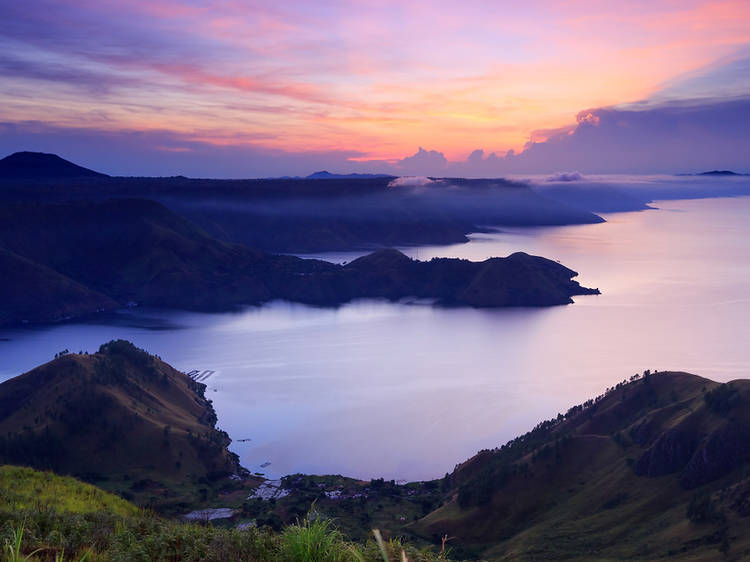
column 231, row 88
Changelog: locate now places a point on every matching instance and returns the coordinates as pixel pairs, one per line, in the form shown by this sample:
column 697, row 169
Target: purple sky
column 253, row 89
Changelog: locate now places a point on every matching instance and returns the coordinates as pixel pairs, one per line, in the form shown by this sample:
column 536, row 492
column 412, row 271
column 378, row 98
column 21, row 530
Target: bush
column 722, row 398
column 315, row 541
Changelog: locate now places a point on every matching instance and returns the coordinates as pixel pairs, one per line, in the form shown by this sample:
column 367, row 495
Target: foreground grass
column 102, row 539
column 24, row 488
column 315, row 541
column 45, row 517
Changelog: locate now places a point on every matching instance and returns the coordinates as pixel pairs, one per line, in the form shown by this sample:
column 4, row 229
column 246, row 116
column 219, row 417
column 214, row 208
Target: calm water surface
column 406, row 391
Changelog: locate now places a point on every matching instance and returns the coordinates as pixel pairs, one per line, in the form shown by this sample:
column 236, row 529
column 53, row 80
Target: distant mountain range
column 325, row 175
column 324, row 213
column 38, row 165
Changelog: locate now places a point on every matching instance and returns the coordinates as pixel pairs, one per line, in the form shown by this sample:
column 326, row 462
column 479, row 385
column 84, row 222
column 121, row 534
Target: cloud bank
column 673, row 137
column 336, row 77
column 411, row 181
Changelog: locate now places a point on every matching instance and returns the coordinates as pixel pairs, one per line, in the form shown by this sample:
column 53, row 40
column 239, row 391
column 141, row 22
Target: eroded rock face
column 675, row 429
column 669, row 453
column 707, row 444
column 718, row 454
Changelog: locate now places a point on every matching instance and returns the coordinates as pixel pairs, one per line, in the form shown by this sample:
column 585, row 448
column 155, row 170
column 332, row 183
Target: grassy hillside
column 657, row 467
column 63, row 517
column 24, row 489
column 46, row 517
column 120, row 418
column 131, row 424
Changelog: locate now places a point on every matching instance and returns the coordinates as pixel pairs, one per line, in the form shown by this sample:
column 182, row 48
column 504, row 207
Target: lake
column 406, row 391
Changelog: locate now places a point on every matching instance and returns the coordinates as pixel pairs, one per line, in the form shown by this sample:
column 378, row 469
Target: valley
column 656, row 466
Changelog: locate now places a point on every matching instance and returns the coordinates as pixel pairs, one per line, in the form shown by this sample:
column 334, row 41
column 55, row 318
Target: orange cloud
column 378, row 78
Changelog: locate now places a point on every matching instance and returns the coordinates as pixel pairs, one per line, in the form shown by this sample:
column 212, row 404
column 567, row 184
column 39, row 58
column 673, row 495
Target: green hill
column 129, row 423
column 24, row 488
column 46, row 517
column 61, row 518
column 657, row 467
column 120, row 418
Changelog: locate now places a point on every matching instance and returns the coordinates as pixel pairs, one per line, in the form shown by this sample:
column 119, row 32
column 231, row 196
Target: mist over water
column 406, row 391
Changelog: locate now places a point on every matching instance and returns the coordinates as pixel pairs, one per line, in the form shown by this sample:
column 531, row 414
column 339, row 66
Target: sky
column 229, row 88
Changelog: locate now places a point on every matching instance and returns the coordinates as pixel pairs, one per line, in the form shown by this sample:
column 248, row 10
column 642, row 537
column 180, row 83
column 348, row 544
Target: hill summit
column 657, row 467
column 119, row 418
column 39, row 165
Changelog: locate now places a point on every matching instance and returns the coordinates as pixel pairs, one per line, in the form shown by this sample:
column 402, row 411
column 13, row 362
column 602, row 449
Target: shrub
column 315, row 541
column 722, row 398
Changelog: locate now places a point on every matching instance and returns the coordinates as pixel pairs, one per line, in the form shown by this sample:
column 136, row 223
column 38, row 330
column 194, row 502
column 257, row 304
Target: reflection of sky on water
column 378, row 389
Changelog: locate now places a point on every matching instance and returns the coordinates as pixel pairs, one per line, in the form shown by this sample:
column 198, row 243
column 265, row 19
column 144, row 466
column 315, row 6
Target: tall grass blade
column 381, row 545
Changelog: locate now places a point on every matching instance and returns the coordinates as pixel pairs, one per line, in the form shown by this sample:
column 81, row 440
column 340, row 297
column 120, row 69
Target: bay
column 405, row 390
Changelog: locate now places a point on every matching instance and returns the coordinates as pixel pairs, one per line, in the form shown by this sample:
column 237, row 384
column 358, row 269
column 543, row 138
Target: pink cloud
column 377, row 77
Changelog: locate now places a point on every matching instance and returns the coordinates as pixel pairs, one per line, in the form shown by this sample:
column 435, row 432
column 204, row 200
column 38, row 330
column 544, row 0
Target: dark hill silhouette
column 133, row 250
column 517, row 280
column 656, row 467
column 38, row 165
column 85, row 256
column 35, row 293
column 333, row 212
column 720, row 173
column 326, row 175
column 117, row 415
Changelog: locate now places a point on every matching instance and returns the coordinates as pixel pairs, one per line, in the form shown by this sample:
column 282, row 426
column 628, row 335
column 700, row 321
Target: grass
column 13, row 547
column 24, row 488
column 570, row 491
column 118, row 418
column 45, row 517
column 316, row 540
